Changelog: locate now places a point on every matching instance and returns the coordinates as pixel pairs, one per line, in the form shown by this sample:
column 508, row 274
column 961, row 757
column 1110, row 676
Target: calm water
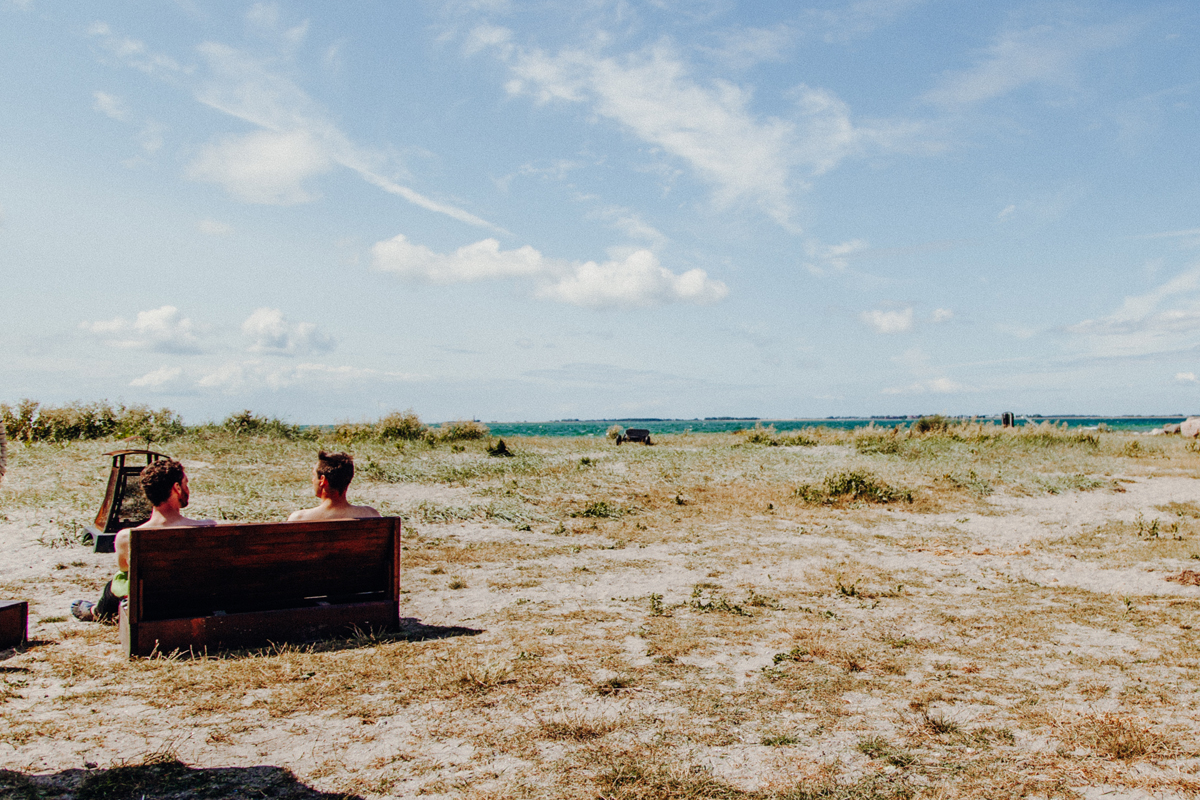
column 598, row 427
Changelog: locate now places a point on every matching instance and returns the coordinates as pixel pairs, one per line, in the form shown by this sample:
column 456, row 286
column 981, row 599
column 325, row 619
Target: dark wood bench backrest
column 177, row 573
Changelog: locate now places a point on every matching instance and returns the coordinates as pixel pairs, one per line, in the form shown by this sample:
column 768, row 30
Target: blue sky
column 601, row 208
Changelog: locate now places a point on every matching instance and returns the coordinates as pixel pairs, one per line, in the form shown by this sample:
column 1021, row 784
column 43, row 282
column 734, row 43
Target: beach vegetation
column 30, row 421
column 555, row 609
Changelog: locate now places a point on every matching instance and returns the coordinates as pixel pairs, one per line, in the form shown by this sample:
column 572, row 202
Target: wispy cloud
column 136, row 54
column 212, row 227
column 158, row 379
column 637, row 279
column 237, row 377
column 247, row 89
column 110, row 106
column 297, row 139
column 162, row 329
column 826, row 258
column 1044, row 54
column 1165, row 319
column 934, row 386
column 857, row 19
column 707, row 124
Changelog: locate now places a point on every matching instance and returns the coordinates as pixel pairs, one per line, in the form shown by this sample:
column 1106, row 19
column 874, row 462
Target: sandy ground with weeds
column 1019, row 646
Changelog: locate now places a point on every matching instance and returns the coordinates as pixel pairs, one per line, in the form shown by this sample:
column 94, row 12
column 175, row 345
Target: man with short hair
column 331, row 480
column 166, row 486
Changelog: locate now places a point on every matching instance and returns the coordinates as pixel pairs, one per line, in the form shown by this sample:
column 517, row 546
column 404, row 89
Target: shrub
column 31, row 421
column 247, row 423
column 400, row 425
column 614, row 431
column 850, row 486
column 935, row 423
column 457, row 431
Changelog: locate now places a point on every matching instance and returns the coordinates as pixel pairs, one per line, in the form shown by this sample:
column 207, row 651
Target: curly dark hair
column 159, row 477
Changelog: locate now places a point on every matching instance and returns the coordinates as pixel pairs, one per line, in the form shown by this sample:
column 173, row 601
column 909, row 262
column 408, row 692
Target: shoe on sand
column 83, row 610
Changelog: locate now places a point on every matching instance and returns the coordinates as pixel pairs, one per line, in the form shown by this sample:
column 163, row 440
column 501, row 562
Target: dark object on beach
column 125, row 505
column 14, row 623
column 252, row 584
column 3, row 449
column 635, row 435
column 499, row 450
column 1006, row 419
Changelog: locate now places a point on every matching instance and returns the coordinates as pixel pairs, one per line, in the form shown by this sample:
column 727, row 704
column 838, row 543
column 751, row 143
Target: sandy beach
column 677, row 621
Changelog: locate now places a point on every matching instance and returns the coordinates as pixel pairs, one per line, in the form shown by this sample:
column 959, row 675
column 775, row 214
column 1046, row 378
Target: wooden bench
column 248, row 585
column 635, row 435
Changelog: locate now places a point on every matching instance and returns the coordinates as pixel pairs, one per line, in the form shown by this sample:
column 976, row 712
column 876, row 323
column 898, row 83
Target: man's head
column 336, row 468
column 160, row 477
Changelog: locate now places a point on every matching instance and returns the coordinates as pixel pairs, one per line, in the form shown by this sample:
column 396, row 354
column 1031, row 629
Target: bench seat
column 205, row 589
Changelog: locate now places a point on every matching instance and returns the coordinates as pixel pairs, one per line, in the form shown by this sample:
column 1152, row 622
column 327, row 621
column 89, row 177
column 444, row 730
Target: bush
column 31, row 421
column 398, row 425
column 614, row 432
column 850, row 486
column 935, row 423
column 457, row 431
column 246, row 423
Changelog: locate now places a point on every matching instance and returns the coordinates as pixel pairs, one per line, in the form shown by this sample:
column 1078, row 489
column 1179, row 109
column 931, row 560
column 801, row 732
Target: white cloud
column 158, row 378
column 161, row 329
column 238, row 377
column 479, row 261
column 942, row 315
column 637, row 279
column 110, row 106
column 212, row 227
column 889, row 321
column 1006, row 212
column 1043, row 54
column 1185, row 377
column 262, row 167
column 709, row 125
column 270, row 332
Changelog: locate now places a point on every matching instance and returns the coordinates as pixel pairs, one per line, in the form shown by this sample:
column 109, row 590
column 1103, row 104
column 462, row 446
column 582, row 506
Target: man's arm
column 121, row 544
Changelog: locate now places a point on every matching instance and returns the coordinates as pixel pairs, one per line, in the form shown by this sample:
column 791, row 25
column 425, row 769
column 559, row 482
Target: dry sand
column 982, row 641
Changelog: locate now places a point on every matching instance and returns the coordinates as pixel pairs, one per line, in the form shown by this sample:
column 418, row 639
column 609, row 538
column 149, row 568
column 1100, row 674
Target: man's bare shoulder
column 182, row 522
column 322, row 514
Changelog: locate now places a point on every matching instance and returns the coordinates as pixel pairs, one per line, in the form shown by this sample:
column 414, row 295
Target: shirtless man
column 166, row 487
column 330, row 480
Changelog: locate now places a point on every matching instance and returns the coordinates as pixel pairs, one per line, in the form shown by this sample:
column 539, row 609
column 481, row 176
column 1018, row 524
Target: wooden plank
column 200, row 635
column 14, row 623
column 187, row 572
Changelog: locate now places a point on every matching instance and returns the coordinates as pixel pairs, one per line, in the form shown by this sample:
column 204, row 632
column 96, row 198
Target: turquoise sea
column 598, row 427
